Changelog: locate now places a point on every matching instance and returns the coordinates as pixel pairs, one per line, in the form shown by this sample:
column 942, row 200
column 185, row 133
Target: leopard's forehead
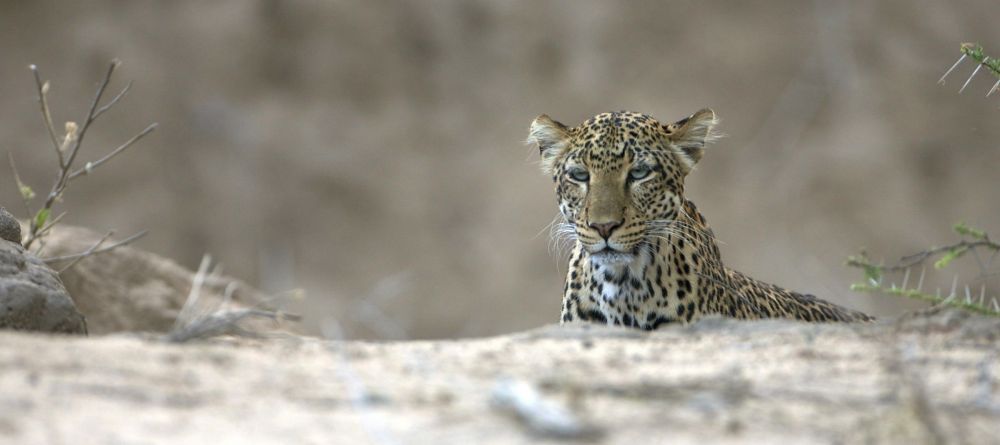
column 609, row 139
column 628, row 119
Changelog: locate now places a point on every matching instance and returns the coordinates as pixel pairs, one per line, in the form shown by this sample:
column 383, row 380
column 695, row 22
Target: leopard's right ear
column 551, row 138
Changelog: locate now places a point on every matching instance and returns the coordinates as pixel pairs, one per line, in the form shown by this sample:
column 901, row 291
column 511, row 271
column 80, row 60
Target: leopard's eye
column 578, row 175
column 639, row 172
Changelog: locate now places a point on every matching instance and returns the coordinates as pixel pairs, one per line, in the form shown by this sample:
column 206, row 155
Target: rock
column 776, row 381
column 128, row 289
column 10, row 229
column 32, row 297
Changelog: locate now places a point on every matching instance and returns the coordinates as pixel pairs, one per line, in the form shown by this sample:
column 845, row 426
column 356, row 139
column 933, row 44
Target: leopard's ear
column 551, row 138
column 690, row 135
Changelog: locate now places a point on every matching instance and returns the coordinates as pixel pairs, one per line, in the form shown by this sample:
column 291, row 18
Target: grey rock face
column 10, row 230
column 32, row 297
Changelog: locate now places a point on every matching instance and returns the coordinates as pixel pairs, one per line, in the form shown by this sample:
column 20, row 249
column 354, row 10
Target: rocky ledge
column 32, row 296
column 931, row 377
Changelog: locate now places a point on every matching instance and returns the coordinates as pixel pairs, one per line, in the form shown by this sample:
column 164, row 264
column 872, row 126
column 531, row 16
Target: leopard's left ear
column 690, row 135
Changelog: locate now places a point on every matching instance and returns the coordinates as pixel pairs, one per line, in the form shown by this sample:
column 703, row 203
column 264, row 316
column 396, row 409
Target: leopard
column 642, row 254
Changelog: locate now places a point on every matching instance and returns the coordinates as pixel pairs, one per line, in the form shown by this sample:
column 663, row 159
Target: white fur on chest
column 609, row 270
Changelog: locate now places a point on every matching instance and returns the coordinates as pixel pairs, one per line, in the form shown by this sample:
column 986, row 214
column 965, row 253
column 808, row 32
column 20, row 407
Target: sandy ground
column 928, row 378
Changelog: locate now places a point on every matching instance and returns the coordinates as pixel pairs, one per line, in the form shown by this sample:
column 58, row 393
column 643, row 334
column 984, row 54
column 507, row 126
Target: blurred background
column 371, row 152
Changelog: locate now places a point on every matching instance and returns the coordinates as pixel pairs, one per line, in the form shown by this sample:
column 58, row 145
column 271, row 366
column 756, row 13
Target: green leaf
column 977, row 53
column 873, row 274
column 41, row 217
column 963, row 229
column 949, row 257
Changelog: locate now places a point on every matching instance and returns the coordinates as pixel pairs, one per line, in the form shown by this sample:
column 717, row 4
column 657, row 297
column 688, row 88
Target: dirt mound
column 926, row 378
column 128, row 289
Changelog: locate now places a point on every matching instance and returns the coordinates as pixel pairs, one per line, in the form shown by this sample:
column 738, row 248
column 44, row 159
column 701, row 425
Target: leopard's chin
column 608, row 256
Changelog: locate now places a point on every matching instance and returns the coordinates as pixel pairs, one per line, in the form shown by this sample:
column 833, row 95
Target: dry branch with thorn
column 973, row 241
column 975, row 52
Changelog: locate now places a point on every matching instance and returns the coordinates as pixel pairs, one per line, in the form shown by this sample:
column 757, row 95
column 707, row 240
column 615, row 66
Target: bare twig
column 113, row 100
column 95, row 249
column 43, row 101
column 88, row 252
column 91, row 117
column 90, row 166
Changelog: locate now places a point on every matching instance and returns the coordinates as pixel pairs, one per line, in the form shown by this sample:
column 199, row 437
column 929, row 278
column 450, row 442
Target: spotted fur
column 643, row 255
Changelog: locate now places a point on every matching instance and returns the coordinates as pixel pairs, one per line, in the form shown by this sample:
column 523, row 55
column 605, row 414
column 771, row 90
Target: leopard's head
column 620, row 176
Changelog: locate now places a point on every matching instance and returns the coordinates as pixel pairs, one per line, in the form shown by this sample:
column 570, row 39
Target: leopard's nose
column 605, row 229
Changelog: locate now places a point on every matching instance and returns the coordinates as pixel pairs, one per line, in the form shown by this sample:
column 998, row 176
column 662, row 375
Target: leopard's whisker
column 661, row 231
column 562, row 236
column 700, row 231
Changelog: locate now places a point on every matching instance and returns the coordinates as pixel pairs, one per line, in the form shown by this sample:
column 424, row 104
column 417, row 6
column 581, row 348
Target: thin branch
column 52, row 223
column 43, row 90
column 88, row 252
column 113, row 100
column 90, row 114
column 979, row 261
column 60, row 184
column 919, row 257
column 96, row 248
column 90, row 166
